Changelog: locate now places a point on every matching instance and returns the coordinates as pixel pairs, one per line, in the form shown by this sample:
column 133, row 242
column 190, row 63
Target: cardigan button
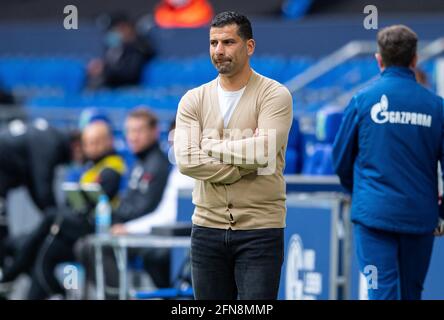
column 230, row 206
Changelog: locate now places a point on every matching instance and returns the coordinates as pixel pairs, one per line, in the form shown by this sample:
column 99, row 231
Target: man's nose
column 219, row 49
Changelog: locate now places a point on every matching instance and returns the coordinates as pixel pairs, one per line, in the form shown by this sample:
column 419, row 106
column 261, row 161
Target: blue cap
column 91, row 115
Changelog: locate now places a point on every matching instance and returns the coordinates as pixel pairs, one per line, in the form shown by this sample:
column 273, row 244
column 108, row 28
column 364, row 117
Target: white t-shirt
column 228, row 101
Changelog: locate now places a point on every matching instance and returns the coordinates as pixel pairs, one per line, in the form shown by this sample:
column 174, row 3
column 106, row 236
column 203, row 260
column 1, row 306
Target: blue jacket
column 387, row 151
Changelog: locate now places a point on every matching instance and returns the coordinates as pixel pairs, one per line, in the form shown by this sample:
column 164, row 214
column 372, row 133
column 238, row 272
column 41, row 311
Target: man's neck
column 237, row 81
column 143, row 153
column 103, row 156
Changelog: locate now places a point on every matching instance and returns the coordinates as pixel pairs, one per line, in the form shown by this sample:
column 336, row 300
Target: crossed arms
column 208, row 158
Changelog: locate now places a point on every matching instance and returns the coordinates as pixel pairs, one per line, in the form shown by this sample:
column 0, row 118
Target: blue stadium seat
column 320, row 162
column 328, row 121
column 269, row 66
column 294, row 66
column 65, row 74
column 163, row 73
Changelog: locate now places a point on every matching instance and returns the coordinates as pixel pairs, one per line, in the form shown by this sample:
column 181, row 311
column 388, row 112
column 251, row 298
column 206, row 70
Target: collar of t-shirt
column 228, row 101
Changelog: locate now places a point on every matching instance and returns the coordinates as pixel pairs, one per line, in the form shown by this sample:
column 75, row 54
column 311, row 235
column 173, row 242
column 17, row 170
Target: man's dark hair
column 229, row 17
column 145, row 114
column 397, row 45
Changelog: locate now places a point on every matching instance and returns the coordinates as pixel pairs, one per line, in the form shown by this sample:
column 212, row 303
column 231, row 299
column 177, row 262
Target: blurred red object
column 183, row 13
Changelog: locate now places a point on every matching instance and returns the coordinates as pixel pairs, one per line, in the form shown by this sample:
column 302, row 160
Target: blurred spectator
column 150, row 173
column 29, row 156
column 52, row 241
column 183, row 13
column 166, row 212
column 145, row 190
column 126, row 53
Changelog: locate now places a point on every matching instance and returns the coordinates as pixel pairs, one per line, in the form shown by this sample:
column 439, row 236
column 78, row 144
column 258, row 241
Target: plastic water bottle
column 103, row 215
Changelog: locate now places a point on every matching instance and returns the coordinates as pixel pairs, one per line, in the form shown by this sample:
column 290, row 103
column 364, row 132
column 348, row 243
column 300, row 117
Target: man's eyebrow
column 226, row 39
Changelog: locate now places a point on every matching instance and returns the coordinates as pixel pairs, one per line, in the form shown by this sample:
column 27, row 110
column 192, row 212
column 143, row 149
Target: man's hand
column 439, row 230
column 119, row 230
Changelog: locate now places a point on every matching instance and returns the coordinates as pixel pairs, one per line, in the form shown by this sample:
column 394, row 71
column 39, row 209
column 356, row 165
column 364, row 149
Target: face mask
column 113, row 39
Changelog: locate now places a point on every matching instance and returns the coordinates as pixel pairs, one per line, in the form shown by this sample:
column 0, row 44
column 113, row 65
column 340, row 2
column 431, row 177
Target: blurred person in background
column 138, row 210
column 183, row 13
column 386, row 154
column 166, row 211
column 29, row 157
column 52, row 241
column 125, row 55
column 149, row 175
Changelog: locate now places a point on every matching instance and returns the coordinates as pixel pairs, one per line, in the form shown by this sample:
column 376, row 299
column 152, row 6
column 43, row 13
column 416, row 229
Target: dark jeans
column 230, row 264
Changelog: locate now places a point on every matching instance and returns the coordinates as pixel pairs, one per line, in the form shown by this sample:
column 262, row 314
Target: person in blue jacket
column 386, row 154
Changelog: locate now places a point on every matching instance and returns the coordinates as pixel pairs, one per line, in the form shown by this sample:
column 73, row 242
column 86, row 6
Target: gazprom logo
column 380, row 114
column 379, row 111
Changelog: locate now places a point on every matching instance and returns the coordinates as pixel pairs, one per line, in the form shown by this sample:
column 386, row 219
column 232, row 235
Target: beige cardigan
column 236, row 187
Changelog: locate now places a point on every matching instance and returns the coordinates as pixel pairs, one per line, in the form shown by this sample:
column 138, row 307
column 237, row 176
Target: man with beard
column 237, row 237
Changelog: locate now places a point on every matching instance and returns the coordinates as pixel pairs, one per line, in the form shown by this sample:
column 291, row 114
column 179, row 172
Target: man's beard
column 223, row 67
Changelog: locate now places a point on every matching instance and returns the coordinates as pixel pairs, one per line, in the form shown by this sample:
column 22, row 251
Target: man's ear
column 378, row 58
column 251, row 45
